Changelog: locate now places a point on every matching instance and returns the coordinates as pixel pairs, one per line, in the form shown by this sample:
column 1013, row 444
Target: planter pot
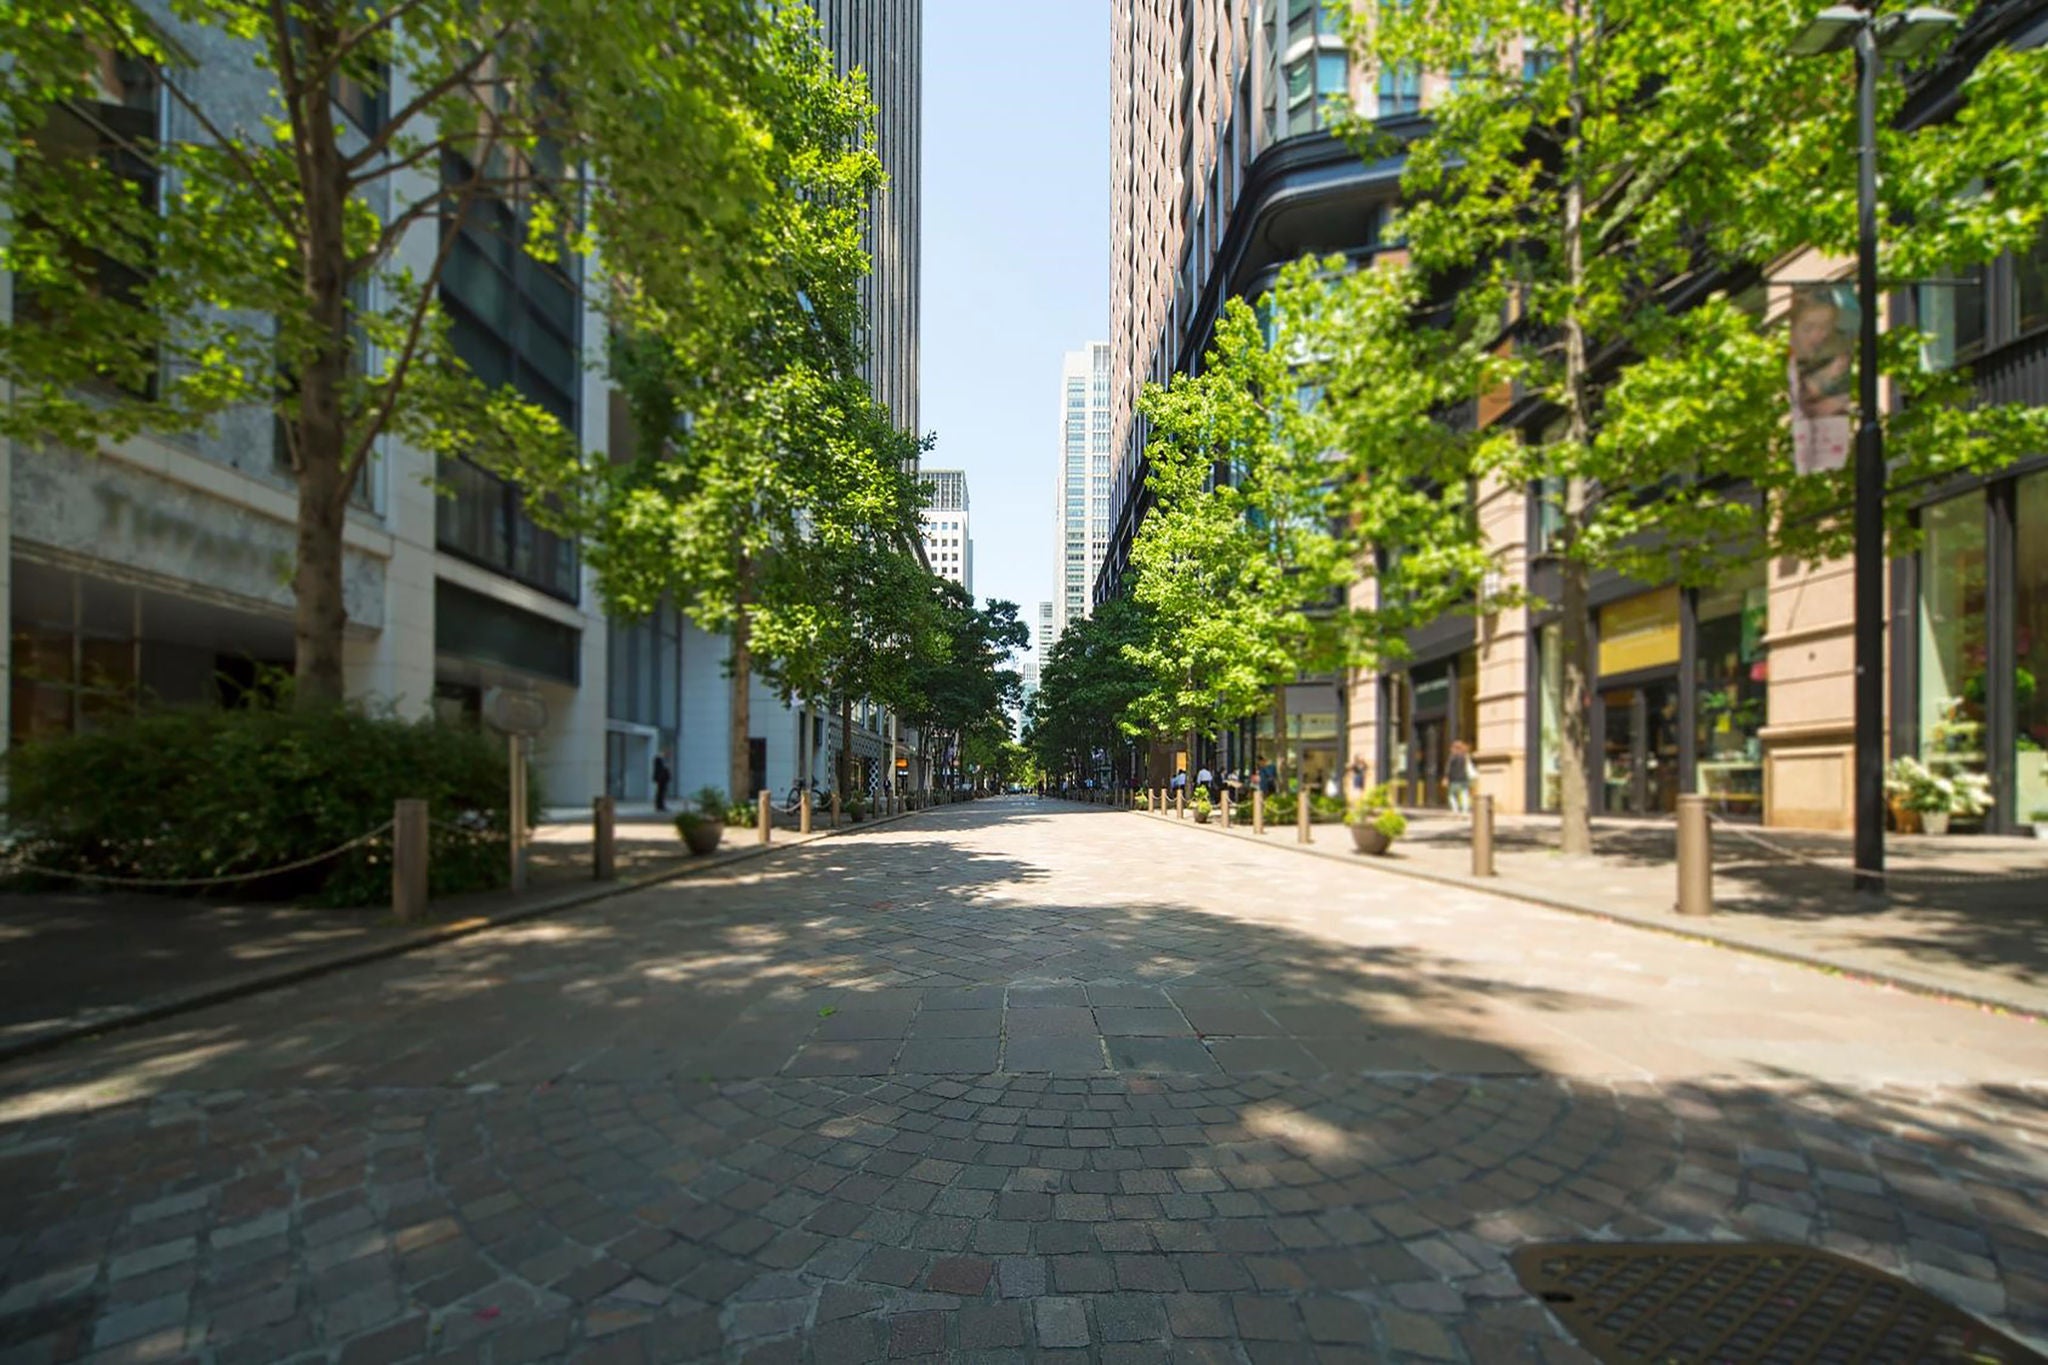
column 1934, row 822
column 1366, row 839
column 1201, row 817
column 702, row 836
column 2041, row 829
column 1905, row 819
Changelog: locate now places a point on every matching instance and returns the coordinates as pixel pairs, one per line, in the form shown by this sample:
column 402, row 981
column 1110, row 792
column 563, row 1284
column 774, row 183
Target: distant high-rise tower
column 1081, row 498
column 947, row 547
column 1046, row 636
column 884, row 39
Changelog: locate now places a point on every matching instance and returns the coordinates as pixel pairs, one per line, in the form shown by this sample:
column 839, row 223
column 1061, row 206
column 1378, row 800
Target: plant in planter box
column 702, row 822
column 1374, row 823
column 856, row 807
column 1201, row 808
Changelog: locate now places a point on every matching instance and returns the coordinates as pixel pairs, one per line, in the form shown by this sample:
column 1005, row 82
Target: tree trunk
column 319, row 616
column 1575, row 833
column 1280, row 738
column 740, row 753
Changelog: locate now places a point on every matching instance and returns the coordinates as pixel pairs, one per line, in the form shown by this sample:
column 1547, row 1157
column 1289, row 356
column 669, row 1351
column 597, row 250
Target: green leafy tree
column 255, row 260
column 1594, row 190
column 959, row 684
column 755, row 436
column 1087, row 694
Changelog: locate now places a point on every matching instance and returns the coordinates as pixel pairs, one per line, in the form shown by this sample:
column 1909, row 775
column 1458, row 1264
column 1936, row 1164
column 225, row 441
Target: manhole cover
column 1749, row 1302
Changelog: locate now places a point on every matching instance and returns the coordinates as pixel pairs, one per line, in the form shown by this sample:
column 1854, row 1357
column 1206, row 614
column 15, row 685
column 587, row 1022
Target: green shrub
column 191, row 793
column 1280, row 808
column 1325, row 810
column 1391, row 823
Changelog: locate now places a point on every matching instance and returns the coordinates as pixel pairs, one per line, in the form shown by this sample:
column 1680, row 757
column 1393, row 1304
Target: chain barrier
column 16, row 865
column 1839, row 865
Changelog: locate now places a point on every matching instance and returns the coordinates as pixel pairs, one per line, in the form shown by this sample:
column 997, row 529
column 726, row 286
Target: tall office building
column 1220, row 174
column 947, row 546
column 1082, row 497
column 884, row 38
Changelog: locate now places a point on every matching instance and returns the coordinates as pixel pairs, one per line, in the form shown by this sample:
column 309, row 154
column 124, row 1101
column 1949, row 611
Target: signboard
column 902, row 765
column 515, row 711
column 1821, row 372
column 1639, row 632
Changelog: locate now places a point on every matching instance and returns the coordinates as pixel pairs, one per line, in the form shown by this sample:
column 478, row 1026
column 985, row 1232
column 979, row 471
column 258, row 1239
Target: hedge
column 208, row 793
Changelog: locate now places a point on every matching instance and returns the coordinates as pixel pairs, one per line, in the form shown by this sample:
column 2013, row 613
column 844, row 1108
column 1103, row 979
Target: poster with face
column 1820, row 370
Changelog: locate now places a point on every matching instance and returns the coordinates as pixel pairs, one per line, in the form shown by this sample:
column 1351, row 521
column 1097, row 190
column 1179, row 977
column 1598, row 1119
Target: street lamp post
column 1901, row 34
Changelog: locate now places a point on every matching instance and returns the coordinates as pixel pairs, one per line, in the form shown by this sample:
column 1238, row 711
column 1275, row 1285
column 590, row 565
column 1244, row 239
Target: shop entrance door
column 1430, row 748
column 1639, row 748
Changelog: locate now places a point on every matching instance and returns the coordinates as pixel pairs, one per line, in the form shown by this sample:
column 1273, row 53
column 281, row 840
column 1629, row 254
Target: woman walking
column 1458, row 776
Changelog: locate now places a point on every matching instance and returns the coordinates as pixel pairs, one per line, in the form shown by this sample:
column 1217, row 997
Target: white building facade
column 1081, row 498
column 948, row 547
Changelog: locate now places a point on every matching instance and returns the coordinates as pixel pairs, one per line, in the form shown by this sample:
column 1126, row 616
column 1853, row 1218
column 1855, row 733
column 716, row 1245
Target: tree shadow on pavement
column 902, row 1095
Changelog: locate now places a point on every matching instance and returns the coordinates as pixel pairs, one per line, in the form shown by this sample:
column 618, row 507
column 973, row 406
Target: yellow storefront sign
column 1639, row 632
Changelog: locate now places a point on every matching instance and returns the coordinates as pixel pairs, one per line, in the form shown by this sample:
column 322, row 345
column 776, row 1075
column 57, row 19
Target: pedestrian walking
column 661, row 781
column 1206, row 781
column 1269, row 778
column 1356, row 786
column 1458, row 776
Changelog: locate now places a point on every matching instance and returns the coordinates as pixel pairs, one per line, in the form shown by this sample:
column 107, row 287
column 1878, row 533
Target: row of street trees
column 1590, row 214
column 691, row 171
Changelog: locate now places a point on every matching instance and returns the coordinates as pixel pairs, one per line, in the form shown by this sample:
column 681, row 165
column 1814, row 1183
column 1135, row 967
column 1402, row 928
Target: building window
column 119, row 130
column 2030, row 652
column 1952, row 318
column 1400, row 90
column 2030, row 271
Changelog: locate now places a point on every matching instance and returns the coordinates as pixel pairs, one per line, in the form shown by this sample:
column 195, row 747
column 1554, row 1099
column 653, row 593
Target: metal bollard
column 604, row 838
column 409, row 846
column 1258, row 810
column 835, row 808
column 1695, row 857
column 1301, row 814
column 766, row 818
column 803, row 825
column 1482, row 836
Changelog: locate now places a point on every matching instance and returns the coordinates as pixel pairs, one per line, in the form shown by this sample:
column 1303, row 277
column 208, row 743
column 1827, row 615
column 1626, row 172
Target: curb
column 1878, row 976
column 117, row 1017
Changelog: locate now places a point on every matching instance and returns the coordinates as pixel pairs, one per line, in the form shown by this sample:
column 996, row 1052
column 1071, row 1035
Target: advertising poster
column 1822, row 374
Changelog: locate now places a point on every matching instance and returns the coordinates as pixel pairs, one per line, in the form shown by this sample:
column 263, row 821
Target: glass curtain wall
column 1549, row 713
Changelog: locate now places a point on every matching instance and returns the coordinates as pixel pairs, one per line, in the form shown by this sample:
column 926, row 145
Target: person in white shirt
column 1206, row 780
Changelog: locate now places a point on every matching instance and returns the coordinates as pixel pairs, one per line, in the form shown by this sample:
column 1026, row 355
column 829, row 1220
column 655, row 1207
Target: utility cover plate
column 1752, row 1303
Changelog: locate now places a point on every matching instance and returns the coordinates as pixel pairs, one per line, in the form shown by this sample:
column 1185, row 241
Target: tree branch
column 394, row 381
column 454, row 80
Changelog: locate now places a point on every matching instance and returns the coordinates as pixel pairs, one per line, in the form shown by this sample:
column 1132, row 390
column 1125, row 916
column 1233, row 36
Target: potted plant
column 1144, row 801
column 1935, row 797
column 1374, row 823
column 702, row 824
column 2040, row 819
column 856, row 807
column 1201, row 808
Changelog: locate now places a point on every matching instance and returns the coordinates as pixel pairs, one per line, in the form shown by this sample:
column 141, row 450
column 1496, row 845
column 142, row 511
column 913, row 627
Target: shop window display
column 1953, row 646
column 2030, row 651
column 1731, row 675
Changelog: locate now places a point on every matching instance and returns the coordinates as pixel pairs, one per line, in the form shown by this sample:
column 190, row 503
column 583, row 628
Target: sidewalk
column 76, row 962
column 1963, row 918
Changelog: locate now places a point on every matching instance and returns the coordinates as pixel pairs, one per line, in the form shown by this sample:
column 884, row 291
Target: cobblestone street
column 1004, row 1080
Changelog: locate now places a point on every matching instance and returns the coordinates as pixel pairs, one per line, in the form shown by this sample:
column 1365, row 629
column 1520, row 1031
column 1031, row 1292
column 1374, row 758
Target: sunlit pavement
column 1000, row 1081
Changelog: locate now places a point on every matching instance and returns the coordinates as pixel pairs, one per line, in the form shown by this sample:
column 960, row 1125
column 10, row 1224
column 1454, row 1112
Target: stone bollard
column 1695, row 857
column 1258, row 810
column 1301, row 817
column 604, row 838
column 765, row 819
column 835, row 808
column 409, row 847
column 1180, row 804
column 803, row 818
column 1482, row 836
column 1226, row 810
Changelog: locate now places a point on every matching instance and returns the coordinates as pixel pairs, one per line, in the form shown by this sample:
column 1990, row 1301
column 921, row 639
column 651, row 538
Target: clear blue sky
column 1016, row 259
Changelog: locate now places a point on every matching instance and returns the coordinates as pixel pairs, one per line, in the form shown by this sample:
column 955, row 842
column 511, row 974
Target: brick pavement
column 1006, row 1081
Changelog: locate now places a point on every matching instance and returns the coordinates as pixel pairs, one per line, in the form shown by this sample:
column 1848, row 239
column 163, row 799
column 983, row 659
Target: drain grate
column 1748, row 1303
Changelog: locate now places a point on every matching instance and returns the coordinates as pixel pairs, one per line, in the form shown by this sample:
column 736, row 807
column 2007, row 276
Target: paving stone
column 1061, row 1322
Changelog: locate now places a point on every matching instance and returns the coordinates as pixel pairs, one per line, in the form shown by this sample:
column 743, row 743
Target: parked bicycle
column 793, row 803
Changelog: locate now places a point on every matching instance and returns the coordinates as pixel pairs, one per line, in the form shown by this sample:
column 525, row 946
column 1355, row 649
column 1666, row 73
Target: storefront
column 1429, row 706
column 1678, row 700
column 1971, row 692
column 1310, row 747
